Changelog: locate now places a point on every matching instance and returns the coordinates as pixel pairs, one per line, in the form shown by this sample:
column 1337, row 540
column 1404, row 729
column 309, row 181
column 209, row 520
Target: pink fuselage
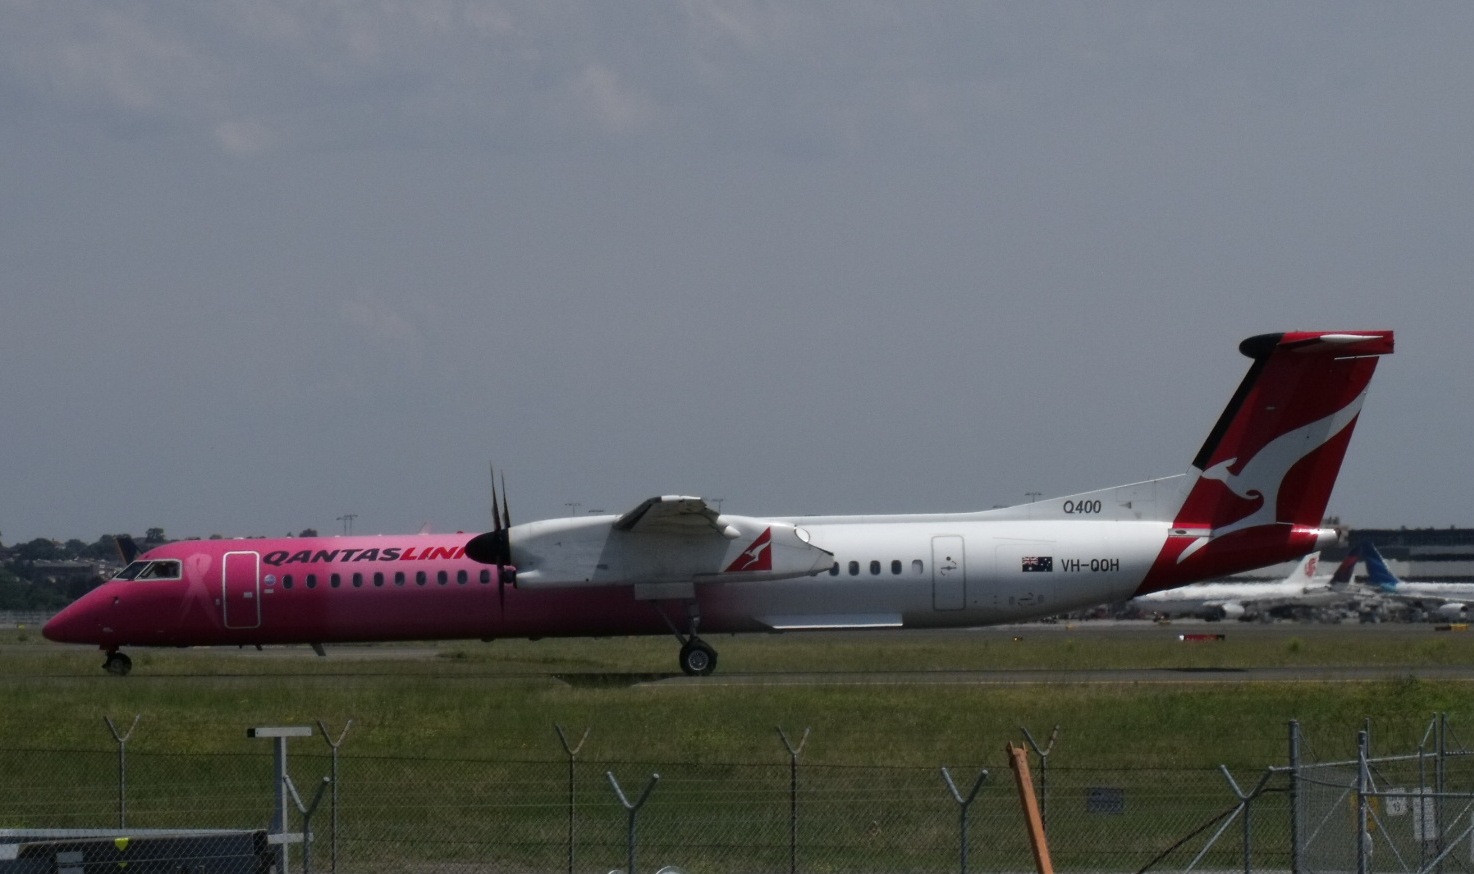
column 337, row 590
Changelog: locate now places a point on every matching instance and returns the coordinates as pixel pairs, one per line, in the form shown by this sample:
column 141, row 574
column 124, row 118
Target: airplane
column 1242, row 600
column 1253, row 496
column 1448, row 601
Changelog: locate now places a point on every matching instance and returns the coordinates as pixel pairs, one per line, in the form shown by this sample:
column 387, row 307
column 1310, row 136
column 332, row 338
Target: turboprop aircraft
column 1253, row 496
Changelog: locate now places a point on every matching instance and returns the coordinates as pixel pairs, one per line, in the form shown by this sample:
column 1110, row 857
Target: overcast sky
column 264, row 264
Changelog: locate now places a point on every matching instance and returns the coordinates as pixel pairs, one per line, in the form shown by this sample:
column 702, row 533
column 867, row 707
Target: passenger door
column 241, row 590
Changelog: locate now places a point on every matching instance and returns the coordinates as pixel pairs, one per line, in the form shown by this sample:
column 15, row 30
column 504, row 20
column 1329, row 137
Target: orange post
column 1018, row 759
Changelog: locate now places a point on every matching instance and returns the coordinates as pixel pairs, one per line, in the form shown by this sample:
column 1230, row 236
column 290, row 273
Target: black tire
column 118, row 663
column 698, row 659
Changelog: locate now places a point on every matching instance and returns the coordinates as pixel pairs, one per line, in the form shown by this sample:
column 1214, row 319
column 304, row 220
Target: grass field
column 478, row 716
column 442, row 698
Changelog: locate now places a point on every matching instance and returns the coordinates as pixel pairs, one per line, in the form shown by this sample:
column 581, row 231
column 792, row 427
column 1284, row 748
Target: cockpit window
column 150, row 570
column 161, row 570
column 131, row 571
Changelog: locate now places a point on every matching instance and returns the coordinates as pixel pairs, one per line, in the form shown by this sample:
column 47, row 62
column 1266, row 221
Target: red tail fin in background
column 1262, row 480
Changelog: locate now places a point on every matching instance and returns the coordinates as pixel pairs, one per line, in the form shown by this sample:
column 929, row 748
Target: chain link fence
column 1407, row 813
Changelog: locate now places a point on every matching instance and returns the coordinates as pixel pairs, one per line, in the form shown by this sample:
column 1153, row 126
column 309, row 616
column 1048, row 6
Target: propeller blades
column 494, row 547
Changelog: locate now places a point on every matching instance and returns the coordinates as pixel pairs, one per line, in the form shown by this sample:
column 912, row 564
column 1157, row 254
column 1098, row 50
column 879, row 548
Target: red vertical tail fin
column 1260, row 484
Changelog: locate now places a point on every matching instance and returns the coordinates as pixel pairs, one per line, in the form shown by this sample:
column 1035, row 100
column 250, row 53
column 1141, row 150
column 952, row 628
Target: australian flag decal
column 1038, row 564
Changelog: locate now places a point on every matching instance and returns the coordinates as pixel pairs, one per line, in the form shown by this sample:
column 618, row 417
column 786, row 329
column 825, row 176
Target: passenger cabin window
column 916, row 566
column 854, row 568
column 358, row 581
column 378, row 578
column 461, row 576
column 399, row 578
column 312, row 581
column 286, row 581
column 896, row 566
column 834, row 569
column 485, row 576
column 874, row 568
column 442, row 577
column 419, row 578
column 335, row 580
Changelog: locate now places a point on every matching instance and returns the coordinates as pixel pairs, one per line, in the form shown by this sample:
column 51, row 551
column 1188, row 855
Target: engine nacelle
column 592, row 551
column 1453, row 610
column 1226, row 610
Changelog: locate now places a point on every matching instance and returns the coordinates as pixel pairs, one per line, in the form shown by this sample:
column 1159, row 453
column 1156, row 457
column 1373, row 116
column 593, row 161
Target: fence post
column 1295, row 811
column 1043, row 755
column 307, row 811
column 122, row 740
column 572, row 752
column 965, row 803
column 1245, row 800
column 793, row 795
column 1363, row 787
column 633, row 810
column 334, row 744
column 279, row 821
column 1018, row 759
column 1440, row 773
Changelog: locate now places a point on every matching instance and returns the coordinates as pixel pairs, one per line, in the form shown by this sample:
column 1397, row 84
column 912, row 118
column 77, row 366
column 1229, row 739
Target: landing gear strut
column 117, row 663
column 697, row 656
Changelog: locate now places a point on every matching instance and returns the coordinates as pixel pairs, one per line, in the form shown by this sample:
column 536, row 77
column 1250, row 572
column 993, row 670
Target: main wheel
column 698, row 658
column 117, row 663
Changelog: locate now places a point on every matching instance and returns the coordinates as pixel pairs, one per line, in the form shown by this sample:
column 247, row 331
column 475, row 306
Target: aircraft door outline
column 240, row 590
column 948, row 572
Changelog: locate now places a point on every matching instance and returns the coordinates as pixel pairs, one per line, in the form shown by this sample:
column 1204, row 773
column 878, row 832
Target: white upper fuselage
column 925, row 570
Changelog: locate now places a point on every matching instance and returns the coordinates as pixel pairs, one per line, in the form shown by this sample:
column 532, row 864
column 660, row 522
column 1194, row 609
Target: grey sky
column 268, row 263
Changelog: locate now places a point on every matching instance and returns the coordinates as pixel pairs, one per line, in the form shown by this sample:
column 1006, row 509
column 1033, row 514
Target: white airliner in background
column 1444, row 600
column 1254, row 496
column 1301, row 590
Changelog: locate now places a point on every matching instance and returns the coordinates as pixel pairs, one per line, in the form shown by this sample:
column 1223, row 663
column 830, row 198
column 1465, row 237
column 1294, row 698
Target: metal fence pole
column 572, row 752
column 965, row 803
column 1440, row 774
column 122, row 740
column 1245, row 800
column 307, row 810
column 634, row 810
column 334, row 744
column 1296, row 823
column 1363, row 787
column 1043, row 754
column 793, row 795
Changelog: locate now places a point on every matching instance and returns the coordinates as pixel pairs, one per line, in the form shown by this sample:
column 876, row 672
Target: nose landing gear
column 117, row 663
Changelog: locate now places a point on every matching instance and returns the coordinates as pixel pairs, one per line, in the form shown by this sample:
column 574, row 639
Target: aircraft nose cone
column 71, row 625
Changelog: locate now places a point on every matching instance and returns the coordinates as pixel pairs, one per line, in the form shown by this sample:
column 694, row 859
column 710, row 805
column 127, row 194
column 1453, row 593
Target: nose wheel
column 117, row 663
column 698, row 658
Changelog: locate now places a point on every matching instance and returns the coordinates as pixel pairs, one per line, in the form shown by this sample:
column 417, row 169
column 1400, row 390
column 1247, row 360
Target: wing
column 673, row 515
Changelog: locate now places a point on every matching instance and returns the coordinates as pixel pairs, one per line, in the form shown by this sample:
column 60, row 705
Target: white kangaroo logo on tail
column 1265, row 473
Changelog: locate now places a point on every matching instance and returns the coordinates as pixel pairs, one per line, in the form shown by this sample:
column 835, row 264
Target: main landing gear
column 117, row 663
column 698, row 659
